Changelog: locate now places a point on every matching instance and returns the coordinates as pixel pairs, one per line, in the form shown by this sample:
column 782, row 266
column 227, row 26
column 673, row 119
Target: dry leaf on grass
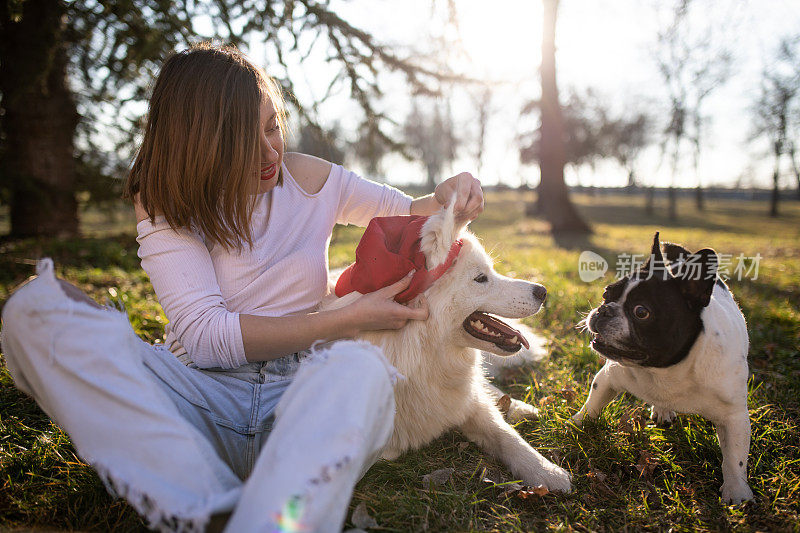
column 361, row 518
column 524, row 492
column 540, row 491
column 646, row 464
column 633, row 419
column 462, row 446
column 547, row 400
column 598, row 475
column 437, row 478
column 568, row 393
column 504, row 403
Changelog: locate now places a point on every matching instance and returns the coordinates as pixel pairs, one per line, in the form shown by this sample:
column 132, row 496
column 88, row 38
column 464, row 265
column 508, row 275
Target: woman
column 233, row 233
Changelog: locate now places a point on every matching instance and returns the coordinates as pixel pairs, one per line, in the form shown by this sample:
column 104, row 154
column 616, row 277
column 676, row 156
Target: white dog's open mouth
column 490, row 329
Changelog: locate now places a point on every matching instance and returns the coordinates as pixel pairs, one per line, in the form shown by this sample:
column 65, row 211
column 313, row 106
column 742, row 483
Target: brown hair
column 199, row 158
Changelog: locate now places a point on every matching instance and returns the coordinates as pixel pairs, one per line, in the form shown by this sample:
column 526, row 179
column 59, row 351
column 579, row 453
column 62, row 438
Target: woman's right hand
column 378, row 310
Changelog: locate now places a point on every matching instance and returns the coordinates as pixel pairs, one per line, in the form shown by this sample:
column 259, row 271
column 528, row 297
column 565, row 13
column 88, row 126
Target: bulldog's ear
column 697, row 276
column 438, row 235
column 655, row 267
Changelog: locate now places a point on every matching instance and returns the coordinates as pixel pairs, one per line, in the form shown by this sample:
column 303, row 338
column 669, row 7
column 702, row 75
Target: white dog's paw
column 736, row 493
column 551, row 476
column 557, row 479
column 519, row 411
column 662, row 416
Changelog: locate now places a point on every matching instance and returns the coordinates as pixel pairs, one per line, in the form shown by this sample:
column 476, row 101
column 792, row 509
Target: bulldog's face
column 653, row 318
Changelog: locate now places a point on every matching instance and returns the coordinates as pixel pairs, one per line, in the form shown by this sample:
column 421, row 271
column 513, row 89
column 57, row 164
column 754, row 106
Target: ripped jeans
column 181, row 444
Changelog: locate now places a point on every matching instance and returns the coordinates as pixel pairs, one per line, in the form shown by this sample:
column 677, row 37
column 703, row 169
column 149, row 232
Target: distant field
column 627, row 473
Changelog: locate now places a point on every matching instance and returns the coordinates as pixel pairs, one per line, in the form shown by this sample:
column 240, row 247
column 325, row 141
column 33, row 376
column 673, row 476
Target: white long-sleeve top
column 203, row 287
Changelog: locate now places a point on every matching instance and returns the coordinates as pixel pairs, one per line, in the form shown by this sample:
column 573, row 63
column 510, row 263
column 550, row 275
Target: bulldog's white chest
column 710, row 382
column 678, row 391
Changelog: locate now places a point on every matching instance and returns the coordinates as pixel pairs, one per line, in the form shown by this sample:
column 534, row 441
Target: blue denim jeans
column 266, row 441
column 234, row 409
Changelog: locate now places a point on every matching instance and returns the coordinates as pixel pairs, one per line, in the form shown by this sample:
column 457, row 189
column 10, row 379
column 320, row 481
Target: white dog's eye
column 481, row 278
column 641, row 312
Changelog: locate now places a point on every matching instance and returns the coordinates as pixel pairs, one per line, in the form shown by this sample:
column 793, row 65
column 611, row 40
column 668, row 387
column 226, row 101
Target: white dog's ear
column 439, row 233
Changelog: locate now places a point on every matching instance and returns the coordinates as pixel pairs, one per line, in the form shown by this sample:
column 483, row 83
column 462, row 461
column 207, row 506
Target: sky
column 606, row 45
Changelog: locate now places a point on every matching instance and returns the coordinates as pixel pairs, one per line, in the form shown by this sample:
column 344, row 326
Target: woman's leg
column 331, row 425
column 84, row 366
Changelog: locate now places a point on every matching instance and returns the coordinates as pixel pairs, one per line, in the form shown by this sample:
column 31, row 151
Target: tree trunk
column 650, row 201
column 631, row 180
column 430, row 184
column 672, row 208
column 698, row 198
column 553, row 193
column 773, row 204
column 795, row 168
column 535, row 208
column 39, row 122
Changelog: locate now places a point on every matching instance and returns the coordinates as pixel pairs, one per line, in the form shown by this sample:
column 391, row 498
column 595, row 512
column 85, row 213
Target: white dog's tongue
column 488, row 328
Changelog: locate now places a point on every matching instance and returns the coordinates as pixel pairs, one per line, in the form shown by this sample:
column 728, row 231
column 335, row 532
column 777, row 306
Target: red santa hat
column 387, row 252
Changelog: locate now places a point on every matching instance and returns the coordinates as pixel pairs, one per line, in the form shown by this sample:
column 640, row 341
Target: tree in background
column 370, row 147
column 624, row 138
column 692, row 65
column 775, row 111
column 795, row 168
column 431, row 137
column 67, row 67
column 584, row 121
column 323, row 143
column 553, row 195
column 483, row 103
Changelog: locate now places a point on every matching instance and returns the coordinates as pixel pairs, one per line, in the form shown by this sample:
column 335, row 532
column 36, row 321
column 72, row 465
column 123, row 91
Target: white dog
column 675, row 338
column 440, row 357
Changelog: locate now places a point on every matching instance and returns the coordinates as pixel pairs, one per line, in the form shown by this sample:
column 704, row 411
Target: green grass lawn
column 627, row 472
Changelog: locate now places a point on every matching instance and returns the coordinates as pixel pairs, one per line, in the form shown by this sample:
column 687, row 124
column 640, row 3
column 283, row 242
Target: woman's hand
column 266, row 338
column 466, row 189
column 378, row 310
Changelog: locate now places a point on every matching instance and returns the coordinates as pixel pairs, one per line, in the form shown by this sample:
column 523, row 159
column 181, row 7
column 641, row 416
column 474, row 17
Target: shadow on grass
column 770, row 292
column 623, row 214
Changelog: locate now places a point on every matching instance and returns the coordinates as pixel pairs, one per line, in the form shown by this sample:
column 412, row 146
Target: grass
column 627, row 473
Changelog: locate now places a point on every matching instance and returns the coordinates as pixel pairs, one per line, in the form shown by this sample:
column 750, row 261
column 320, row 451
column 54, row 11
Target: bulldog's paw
column 578, row 418
column 662, row 416
column 736, row 493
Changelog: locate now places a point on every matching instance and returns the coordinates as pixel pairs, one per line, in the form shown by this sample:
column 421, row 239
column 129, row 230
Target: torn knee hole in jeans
column 159, row 519
column 289, row 517
column 74, row 293
column 327, row 472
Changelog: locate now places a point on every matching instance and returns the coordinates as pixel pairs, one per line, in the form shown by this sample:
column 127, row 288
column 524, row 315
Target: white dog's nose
column 539, row 292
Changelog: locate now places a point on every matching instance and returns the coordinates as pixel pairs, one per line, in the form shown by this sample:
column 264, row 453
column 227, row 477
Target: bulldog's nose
column 605, row 310
column 539, row 292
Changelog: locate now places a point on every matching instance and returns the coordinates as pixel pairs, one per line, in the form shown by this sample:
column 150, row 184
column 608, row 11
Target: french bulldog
column 673, row 336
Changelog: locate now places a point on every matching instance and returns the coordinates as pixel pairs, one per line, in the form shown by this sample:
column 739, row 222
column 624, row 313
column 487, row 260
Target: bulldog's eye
column 481, row 278
column 641, row 312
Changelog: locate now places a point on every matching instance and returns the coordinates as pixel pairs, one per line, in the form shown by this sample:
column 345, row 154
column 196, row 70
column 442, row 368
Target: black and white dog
column 674, row 337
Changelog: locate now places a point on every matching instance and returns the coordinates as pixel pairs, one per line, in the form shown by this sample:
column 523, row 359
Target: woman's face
column 271, row 147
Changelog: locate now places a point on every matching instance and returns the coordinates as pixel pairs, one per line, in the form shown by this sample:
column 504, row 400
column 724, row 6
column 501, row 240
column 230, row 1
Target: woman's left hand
column 467, row 193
